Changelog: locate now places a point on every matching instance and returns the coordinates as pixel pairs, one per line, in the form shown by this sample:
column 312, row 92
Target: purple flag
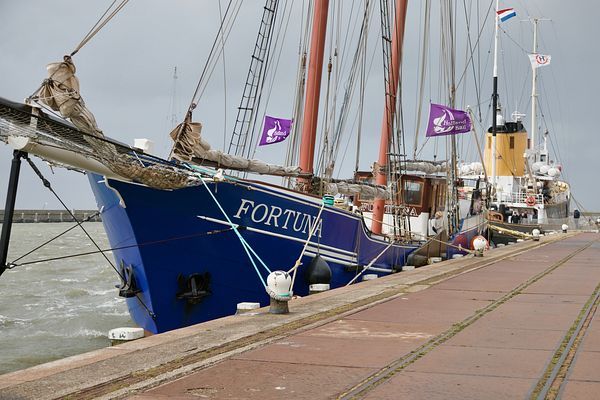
column 275, row 130
column 447, row 121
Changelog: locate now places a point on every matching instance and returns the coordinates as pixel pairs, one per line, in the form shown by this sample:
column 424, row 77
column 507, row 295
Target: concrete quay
column 519, row 322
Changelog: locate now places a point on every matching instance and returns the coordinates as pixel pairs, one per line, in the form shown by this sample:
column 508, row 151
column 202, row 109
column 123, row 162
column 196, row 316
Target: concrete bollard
column 124, row 335
column 279, row 288
column 480, row 244
column 318, row 288
column 279, row 307
column 246, row 308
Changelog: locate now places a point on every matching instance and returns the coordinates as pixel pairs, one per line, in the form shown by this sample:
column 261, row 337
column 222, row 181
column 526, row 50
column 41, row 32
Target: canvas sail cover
column 189, row 145
column 427, row 167
column 365, row 191
column 61, row 93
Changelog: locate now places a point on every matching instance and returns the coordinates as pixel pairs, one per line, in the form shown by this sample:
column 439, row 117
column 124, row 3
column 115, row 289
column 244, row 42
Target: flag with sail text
column 447, row 121
column 275, row 130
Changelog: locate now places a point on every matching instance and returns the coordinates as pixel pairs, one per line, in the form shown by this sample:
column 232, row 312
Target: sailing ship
column 192, row 235
column 528, row 192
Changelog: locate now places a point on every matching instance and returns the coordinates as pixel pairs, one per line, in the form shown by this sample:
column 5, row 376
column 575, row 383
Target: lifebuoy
column 530, row 201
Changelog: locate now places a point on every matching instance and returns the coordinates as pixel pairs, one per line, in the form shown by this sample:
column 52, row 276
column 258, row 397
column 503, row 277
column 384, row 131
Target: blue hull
column 166, row 236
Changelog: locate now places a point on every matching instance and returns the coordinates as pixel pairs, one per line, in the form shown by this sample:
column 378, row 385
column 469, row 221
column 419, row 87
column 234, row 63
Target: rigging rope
column 14, row 264
column 47, row 184
column 94, row 215
column 99, row 25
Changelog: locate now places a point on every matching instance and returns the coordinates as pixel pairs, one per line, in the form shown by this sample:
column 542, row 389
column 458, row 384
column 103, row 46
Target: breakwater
column 29, row 216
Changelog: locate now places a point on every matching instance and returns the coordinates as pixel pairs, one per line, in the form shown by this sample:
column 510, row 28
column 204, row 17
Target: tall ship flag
column 506, row 14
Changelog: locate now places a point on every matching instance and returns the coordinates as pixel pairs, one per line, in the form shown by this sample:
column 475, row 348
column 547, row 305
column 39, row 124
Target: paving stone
column 434, row 386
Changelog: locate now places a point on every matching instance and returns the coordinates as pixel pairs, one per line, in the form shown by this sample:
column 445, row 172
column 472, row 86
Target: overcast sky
column 126, row 76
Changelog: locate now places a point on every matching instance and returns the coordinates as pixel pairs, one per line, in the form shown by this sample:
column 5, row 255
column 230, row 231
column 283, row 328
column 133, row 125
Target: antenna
column 173, row 106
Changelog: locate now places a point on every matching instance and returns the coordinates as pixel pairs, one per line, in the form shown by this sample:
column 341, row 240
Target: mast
column 535, row 22
column 389, row 110
column 313, row 90
column 454, row 214
column 532, row 145
column 495, row 106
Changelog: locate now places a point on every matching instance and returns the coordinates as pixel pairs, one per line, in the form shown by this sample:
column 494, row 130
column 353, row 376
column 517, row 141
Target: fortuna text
column 278, row 217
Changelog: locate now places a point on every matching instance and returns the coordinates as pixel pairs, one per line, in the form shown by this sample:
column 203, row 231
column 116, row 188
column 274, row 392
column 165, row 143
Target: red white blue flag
column 447, row 121
column 505, row 14
column 275, row 130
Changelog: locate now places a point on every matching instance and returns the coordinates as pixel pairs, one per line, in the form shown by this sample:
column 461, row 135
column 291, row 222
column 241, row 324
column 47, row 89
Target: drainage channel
column 389, row 371
column 553, row 381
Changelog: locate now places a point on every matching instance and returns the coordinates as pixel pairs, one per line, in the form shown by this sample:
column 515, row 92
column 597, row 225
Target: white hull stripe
column 332, row 250
column 375, row 269
column 320, row 250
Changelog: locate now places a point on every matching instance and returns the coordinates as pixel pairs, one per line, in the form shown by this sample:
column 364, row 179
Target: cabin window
column 512, row 142
column 413, row 192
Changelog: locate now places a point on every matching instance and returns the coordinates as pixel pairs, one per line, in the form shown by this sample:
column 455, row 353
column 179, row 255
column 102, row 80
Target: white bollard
column 246, row 307
column 318, row 288
column 123, row 335
column 479, row 245
column 279, row 288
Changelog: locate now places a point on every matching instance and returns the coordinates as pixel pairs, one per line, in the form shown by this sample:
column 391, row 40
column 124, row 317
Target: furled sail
column 427, row 167
column 60, row 92
column 189, row 146
column 365, row 191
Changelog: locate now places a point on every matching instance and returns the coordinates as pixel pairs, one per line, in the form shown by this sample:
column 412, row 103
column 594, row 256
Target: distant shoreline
column 41, row 216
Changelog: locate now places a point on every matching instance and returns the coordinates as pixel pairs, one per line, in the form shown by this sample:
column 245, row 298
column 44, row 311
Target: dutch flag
column 505, row 14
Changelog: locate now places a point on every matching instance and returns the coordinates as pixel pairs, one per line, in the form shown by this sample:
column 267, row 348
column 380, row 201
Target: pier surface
column 520, row 322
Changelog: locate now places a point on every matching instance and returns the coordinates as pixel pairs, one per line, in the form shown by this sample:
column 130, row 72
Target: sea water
column 60, row 308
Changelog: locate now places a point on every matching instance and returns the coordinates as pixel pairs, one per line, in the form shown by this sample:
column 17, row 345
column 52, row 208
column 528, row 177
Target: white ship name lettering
column 270, row 215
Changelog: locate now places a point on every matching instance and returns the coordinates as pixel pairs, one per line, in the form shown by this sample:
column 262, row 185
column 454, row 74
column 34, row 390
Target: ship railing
column 520, row 197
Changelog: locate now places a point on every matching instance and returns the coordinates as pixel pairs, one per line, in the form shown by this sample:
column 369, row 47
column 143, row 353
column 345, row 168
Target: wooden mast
column 313, row 90
column 389, row 111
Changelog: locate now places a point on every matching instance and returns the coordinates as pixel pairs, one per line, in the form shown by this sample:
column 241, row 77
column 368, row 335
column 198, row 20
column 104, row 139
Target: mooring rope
column 247, row 248
column 369, row 265
column 311, row 232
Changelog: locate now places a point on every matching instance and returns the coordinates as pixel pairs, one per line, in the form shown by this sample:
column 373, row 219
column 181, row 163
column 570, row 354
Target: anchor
column 128, row 287
column 194, row 287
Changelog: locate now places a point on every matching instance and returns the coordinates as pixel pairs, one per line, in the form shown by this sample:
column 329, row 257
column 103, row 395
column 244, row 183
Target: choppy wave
column 87, row 332
column 6, row 322
column 58, row 309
